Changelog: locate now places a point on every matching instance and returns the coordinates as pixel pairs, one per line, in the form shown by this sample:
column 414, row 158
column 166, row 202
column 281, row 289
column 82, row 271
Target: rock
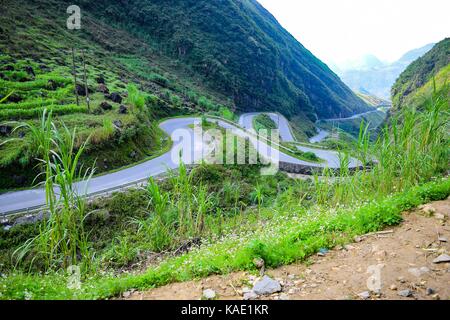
column 14, row 98
column 442, row 239
column 30, row 219
column 364, row 295
column 105, row 106
column 5, row 130
column 133, row 154
column 393, row 287
column 100, row 79
column 284, row 297
column 209, row 294
column 380, row 254
column 250, row 296
column 401, row 279
column 436, row 297
column 52, row 85
column 322, row 252
column 428, row 209
column 8, row 68
column 4, row 221
column 259, row 263
column 430, row 291
column 118, row 124
column 357, row 239
column 30, row 71
column 123, row 109
column 418, row 272
column 115, row 97
column 439, row 216
column 126, row 294
column 266, row 286
column 405, row 293
column 442, row 258
column 80, row 90
column 103, row 89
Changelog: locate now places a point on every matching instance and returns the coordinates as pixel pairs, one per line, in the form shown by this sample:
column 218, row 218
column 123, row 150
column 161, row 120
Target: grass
column 287, row 238
column 274, row 218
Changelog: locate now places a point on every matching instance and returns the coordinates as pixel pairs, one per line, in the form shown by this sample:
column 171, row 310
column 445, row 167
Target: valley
column 170, row 146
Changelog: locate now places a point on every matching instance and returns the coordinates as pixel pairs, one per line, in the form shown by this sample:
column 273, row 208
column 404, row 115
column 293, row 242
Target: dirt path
column 403, row 256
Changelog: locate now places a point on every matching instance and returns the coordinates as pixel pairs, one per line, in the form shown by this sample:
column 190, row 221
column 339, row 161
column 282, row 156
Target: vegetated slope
column 377, row 77
column 239, row 49
column 417, row 83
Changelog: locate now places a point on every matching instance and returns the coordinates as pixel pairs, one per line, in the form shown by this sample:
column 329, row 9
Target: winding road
column 32, row 199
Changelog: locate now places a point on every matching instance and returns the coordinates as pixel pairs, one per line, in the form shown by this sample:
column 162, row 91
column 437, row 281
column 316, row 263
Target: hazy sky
column 340, row 30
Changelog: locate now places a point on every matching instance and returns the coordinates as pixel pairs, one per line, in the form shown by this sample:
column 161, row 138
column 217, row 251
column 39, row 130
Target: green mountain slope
column 417, row 83
column 239, row 49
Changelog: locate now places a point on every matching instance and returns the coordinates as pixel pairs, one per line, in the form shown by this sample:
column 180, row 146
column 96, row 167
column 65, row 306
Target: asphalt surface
column 185, row 148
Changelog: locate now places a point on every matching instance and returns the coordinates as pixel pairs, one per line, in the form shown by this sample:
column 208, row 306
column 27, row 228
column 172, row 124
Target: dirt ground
column 402, row 257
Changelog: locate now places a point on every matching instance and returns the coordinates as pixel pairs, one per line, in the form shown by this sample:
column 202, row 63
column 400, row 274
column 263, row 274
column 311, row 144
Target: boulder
column 209, row 294
column 5, row 130
column 105, row 106
column 100, row 79
column 123, row 109
column 30, row 71
column 266, row 286
column 115, row 97
column 118, row 124
column 103, row 88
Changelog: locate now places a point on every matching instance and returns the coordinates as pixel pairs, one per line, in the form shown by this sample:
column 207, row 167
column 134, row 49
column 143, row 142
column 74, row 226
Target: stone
column 430, row 291
column 100, row 79
column 267, row 286
column 284, row 297
column 393, row 287
column 103, row 88
column 118, row 124
column 250, row 296
column 401, row 279
column 133, row 154
column 442, row 258
column 428, row 209
column 209, row 294
column 123, row 109
column 105, row 106
column 439, row 216
column 80, row 90
column 52, row 85
column 358, row 239
column 442, row 239
column 115, row 97
column 30, row 218
column 405, row 293
column 126, row 294
column 418, row 272
column 5, row 130
column 30, row 71
column 322, row 252
column 364, row 295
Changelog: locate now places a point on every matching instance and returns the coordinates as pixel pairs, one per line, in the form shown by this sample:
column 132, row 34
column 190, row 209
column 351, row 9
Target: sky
column 338, row 31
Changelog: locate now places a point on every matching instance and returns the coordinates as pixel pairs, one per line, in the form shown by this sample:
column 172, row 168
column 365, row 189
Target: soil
column 403, row 255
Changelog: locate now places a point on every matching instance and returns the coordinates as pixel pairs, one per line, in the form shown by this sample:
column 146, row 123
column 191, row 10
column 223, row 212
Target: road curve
column 331, row 158
column 20, row 201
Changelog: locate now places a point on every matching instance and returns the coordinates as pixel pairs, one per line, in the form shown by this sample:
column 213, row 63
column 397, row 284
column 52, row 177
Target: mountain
column 239, row 49
column 377, row 77
column 421, row 78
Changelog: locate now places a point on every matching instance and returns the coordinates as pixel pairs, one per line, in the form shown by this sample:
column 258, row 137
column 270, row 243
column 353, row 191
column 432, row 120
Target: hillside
column 377, row 77
column 239, row 49
column 416, row 84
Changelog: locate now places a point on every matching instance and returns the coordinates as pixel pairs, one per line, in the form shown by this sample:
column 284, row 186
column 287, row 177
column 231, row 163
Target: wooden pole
column 85, row 81
column 75, row 75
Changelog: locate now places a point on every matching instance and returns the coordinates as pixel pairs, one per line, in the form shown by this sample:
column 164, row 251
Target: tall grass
column 135, row 97
column 62, row 240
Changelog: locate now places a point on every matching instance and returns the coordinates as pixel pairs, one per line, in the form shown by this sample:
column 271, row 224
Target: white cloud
column 340, row 30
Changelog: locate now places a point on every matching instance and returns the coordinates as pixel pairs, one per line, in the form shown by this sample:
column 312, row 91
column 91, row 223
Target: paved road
column 184, row 141
column 331, row 157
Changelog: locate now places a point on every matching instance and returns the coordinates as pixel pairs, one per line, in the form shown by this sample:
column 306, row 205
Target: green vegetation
column 264, row 122
column 274, row 218
column 423, row 77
